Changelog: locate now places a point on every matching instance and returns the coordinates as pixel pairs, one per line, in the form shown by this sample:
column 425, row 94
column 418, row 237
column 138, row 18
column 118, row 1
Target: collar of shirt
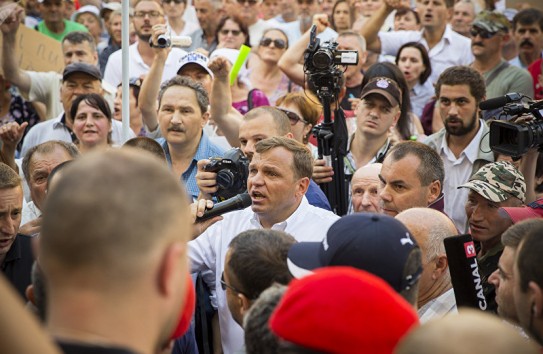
column 203, row 146
column 471, row 151
column 281, row 226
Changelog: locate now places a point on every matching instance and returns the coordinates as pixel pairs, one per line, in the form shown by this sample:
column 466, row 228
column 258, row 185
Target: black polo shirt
column 17, row 265
column 87, row 348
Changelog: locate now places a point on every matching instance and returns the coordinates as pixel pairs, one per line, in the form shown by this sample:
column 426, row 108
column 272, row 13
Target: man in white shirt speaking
column 279, row 176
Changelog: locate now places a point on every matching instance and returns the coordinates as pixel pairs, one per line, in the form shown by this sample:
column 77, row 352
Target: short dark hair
column 529, row 258
column 242, row 27
column 463, row 75
column 528, row 17
column 258, row 258
column 183, row 81
column 78, row 37
column 95, row 101
column 147, row 144
column 259, row 339
column 431, row 165
column 402, row 11
column 516, row 233
column 8, row 177
column 425, row 59
column 45, row 148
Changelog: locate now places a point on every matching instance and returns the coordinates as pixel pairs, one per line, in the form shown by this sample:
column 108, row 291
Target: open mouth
column 257, row 196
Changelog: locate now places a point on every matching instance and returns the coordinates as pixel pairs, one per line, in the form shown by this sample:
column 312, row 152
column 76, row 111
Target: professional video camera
column 232, row 172
column 514, row 139
column 322, row 66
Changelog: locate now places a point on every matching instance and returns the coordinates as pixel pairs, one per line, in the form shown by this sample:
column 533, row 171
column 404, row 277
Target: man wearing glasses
column 489, row 33
column 147, row 13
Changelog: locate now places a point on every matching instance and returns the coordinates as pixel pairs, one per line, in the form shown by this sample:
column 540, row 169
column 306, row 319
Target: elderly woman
column 92, row 122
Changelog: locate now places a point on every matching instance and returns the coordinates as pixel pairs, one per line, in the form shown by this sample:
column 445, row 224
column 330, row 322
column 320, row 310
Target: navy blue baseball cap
column 376, row 243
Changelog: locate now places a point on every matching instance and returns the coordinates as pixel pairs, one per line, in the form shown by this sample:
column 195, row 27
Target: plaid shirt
column 438, row 307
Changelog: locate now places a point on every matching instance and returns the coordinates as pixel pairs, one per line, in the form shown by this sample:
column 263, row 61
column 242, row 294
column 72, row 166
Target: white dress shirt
column 458, row 171
column 208, row 251
column 137, row 67
column 453, row 48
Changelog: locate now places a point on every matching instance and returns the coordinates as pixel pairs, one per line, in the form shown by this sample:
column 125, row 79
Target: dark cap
column 88, row 69
column 385, row 87
column 492, row 22
column 376, row 243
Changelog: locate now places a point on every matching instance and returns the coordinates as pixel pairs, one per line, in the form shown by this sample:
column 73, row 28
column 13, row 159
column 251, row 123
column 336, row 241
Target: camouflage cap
column 498, row 181
column 492, row 21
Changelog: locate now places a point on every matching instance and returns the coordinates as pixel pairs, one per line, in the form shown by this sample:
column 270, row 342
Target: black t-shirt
column 81, row 348
column 17, row 265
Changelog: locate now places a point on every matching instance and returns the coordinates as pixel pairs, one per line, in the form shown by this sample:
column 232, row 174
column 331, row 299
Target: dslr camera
column 232, row 172
column 515, row 139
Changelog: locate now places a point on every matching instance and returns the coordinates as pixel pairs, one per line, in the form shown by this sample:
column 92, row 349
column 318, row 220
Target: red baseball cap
column 343, row 310
column 530, row 211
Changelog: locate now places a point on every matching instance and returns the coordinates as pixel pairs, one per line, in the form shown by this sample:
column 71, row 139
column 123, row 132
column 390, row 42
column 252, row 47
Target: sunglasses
column 151, row 14
column 293, row 117
column 235, row 33
column 475, row 31
column 174, row 1
column 250, row 2
column 277, row 43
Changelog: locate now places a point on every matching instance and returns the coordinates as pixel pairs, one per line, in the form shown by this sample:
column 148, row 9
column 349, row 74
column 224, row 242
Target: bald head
column 472, row 331
column 365, row 188
column 429, row 227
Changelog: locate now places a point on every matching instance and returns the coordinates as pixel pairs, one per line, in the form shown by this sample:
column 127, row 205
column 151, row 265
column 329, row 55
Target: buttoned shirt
column 199, row 40
column 438, row 307
column 453, row 48
column 205, row 150
column 137, row 67
column 56, row 129
column 208, row 251
column 458, row 171
column 17, row 265
column 420, row 95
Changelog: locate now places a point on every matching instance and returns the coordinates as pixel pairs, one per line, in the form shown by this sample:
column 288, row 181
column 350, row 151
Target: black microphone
column 465, row 278
column 499, row 102
column 240, row 201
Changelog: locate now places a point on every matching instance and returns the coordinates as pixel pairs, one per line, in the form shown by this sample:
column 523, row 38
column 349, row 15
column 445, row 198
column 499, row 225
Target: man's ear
column 434, row 191
column 29, row 293
column 303, row 185
column 441, row 266
column 205, row 118
column 244, row 304
column 170, row 267
column 537, row 299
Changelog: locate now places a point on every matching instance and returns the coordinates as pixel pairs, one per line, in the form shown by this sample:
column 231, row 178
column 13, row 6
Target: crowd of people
column 106, row 236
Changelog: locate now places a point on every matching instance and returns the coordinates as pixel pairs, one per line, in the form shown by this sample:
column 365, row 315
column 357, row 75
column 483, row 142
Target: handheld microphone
column 499, row 102
column 465, row 278
column 240, row 201
column 164, row 41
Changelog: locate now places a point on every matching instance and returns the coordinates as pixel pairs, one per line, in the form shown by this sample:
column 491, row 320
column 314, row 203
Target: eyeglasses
column 224, row 285
column 307, row 2
column 151, row 14
column 476, row 31
column 175, row 1
column 250, row 2
column 235, row 33
column 278, row 43
column 293, row 117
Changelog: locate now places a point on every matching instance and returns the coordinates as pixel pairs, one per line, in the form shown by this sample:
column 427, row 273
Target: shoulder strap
column 496, row 72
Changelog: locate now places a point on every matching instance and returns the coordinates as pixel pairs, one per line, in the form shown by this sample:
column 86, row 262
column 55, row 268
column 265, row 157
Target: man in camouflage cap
column 489, row 33
column 495, row 185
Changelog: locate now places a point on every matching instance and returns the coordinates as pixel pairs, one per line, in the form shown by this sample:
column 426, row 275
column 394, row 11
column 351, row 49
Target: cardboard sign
column 37, row 52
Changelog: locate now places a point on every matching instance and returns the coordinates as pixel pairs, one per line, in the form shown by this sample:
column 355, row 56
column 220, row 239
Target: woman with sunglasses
column 174, row 10
column 264, row 72
column 303, row 115
column 92, row 122
column 231, row 33
column 135, row 116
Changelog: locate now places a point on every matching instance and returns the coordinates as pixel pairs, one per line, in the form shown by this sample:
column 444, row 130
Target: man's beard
column 143, row 37
column 462, row 129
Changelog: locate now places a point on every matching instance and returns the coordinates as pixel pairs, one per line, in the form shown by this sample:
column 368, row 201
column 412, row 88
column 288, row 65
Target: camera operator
column 279, row 176
column 258, row 124
column 290, row 61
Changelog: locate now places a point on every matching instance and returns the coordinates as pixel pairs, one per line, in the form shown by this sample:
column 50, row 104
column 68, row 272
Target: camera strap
column 504, row 65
